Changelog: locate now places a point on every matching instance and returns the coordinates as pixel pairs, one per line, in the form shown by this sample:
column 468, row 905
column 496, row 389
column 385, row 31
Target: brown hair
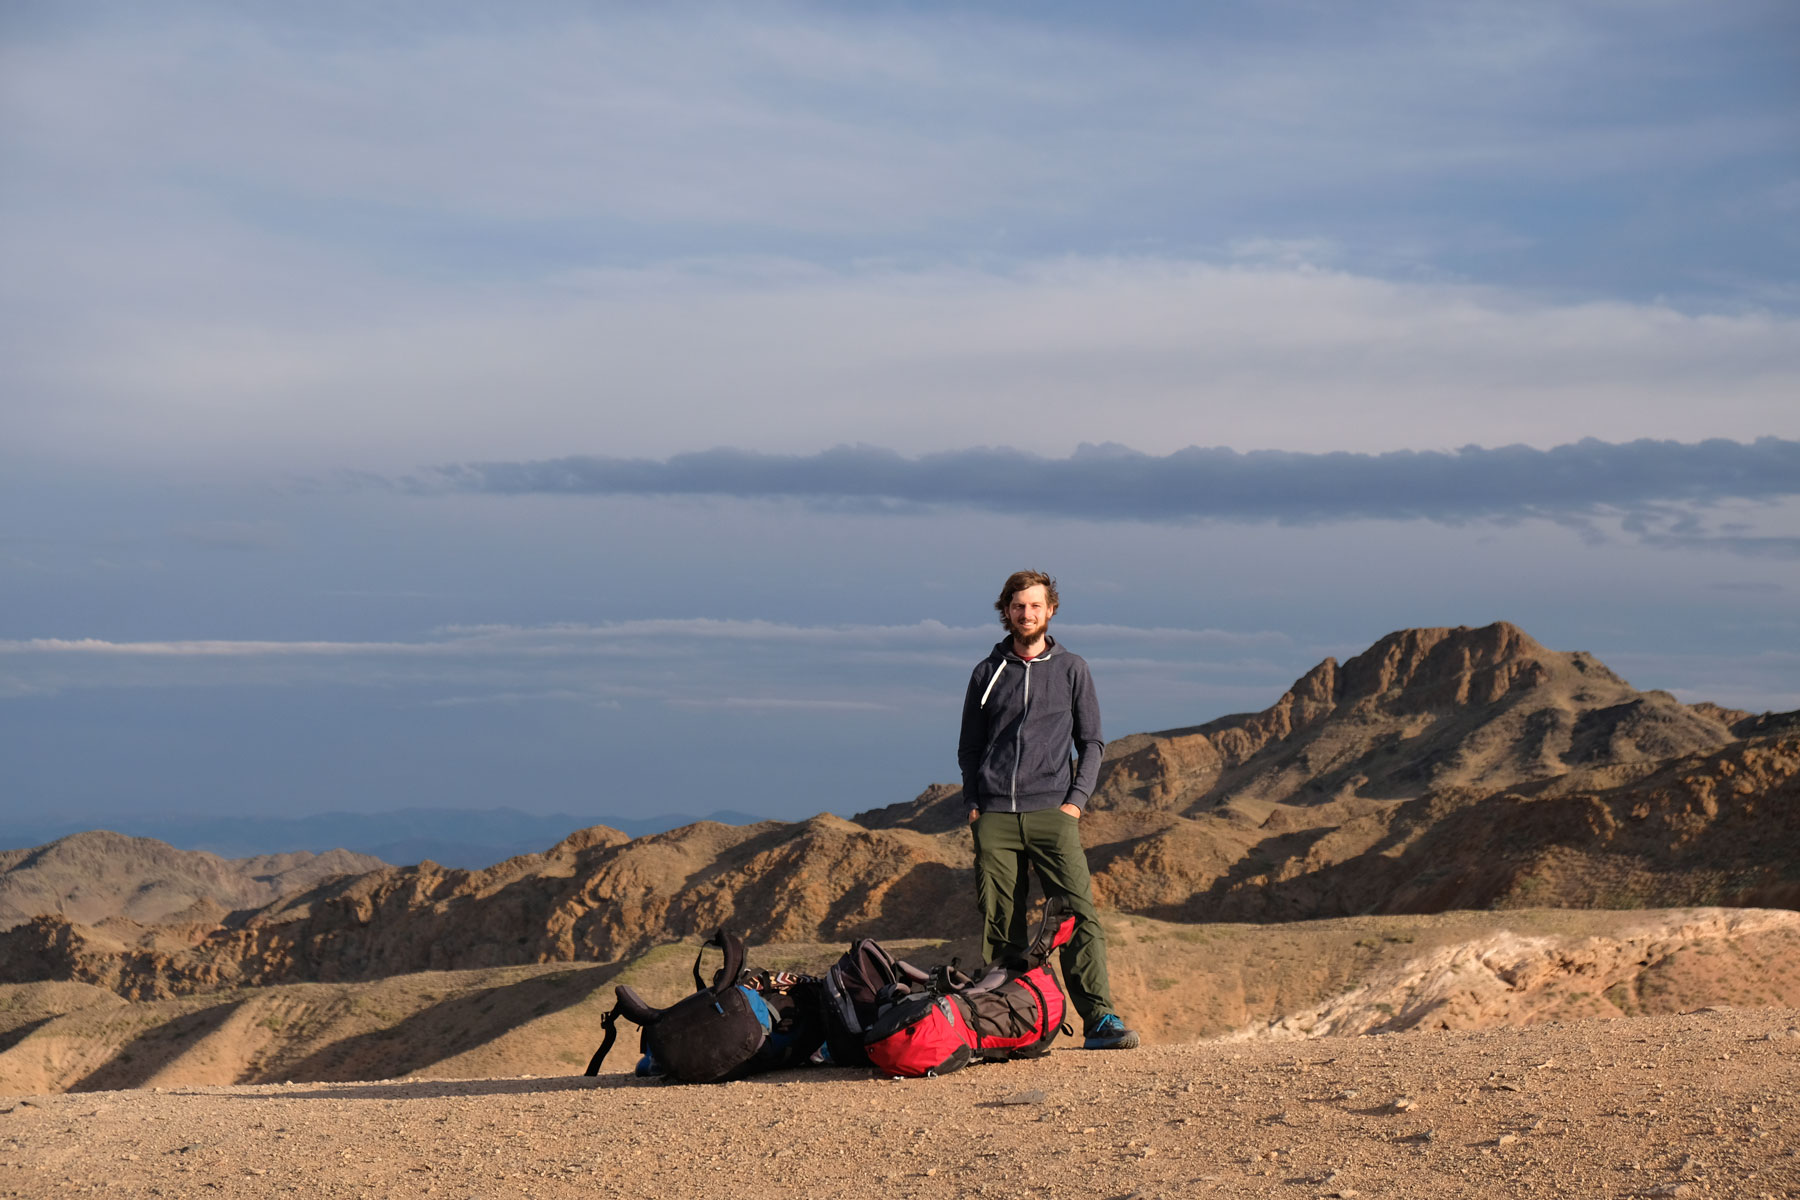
column 1018, row 581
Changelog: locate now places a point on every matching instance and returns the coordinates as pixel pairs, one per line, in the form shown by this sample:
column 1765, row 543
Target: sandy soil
column 1703, row 1104
column 1176, row 983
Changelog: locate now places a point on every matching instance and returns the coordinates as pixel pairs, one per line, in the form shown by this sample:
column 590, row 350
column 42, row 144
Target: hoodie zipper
column 1019, row 740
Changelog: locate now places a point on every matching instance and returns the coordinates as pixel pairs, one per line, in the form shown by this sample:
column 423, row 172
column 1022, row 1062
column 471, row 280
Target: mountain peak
column 1421, row 669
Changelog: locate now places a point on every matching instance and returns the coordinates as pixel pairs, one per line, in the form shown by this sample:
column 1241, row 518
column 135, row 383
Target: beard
column 1013, row 628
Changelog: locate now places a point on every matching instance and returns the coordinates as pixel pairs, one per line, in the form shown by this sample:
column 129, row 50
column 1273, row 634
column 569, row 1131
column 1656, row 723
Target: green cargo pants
column 1050, row 841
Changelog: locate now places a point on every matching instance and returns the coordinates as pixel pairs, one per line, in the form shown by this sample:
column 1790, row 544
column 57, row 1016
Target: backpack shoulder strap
column 733, row 948
column 632, row 1007
column 610, row 1023
column 1057, row 928
column 947, row 979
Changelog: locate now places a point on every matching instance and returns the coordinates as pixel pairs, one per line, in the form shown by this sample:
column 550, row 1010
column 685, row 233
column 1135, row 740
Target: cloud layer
column 757, row 668
column 744, row 666
column 774, row 356
column 829, row 124
column 1111, row 482
column 280, row 236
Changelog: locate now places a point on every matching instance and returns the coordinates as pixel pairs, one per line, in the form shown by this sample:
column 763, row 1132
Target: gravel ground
column 1703, row 1104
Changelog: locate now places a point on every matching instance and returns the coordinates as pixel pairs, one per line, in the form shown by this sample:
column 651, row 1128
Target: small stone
column 1506, row 1139
column 1089, row 1129
column 1671, row 1189
column 1404, row 1104
column 930, row 1171
column 1031, row 1097
column 1349, row 1094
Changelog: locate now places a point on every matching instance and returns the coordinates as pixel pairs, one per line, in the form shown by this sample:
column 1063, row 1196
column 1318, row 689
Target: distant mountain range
column 450, row 837
column 94, row 877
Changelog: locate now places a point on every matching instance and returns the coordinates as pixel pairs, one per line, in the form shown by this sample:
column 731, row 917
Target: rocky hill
column 1703, row 828
column 598, row 896
column 90, row 878
column 1440, row 769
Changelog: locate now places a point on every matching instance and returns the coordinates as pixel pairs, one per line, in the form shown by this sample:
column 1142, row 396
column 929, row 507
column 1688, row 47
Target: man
column 1028, row 702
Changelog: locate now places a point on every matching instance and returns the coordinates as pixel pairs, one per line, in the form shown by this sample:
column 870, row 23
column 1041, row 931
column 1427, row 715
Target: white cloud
column 230, row 649
column 728, row 665
column 670, row 634
column 512, row 699
column 1155, row 354
column 678, row 634
column 781, row 704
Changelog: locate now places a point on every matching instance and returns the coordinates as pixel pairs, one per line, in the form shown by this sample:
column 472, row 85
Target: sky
column 618, row 409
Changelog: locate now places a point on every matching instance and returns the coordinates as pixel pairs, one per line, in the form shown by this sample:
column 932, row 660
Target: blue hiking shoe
column 647, row 1068
column 1109, row 1033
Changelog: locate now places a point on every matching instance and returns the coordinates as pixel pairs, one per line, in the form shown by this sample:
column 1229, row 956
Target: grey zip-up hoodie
column 1019, row 720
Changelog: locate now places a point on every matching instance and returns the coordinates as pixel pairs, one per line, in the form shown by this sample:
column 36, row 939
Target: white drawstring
column 991, row 683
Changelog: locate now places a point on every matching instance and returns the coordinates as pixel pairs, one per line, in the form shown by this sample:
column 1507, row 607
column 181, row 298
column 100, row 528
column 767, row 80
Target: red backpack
column 1012, row 1008
column 857, row 988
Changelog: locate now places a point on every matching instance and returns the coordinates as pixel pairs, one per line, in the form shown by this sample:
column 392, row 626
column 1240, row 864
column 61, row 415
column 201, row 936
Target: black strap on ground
column 609, row 1022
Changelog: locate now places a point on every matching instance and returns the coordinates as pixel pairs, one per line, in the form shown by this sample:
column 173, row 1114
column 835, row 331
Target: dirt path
column 1703, row 1104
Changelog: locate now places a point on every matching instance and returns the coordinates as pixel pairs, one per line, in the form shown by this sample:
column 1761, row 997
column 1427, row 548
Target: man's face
column 1029, row 611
